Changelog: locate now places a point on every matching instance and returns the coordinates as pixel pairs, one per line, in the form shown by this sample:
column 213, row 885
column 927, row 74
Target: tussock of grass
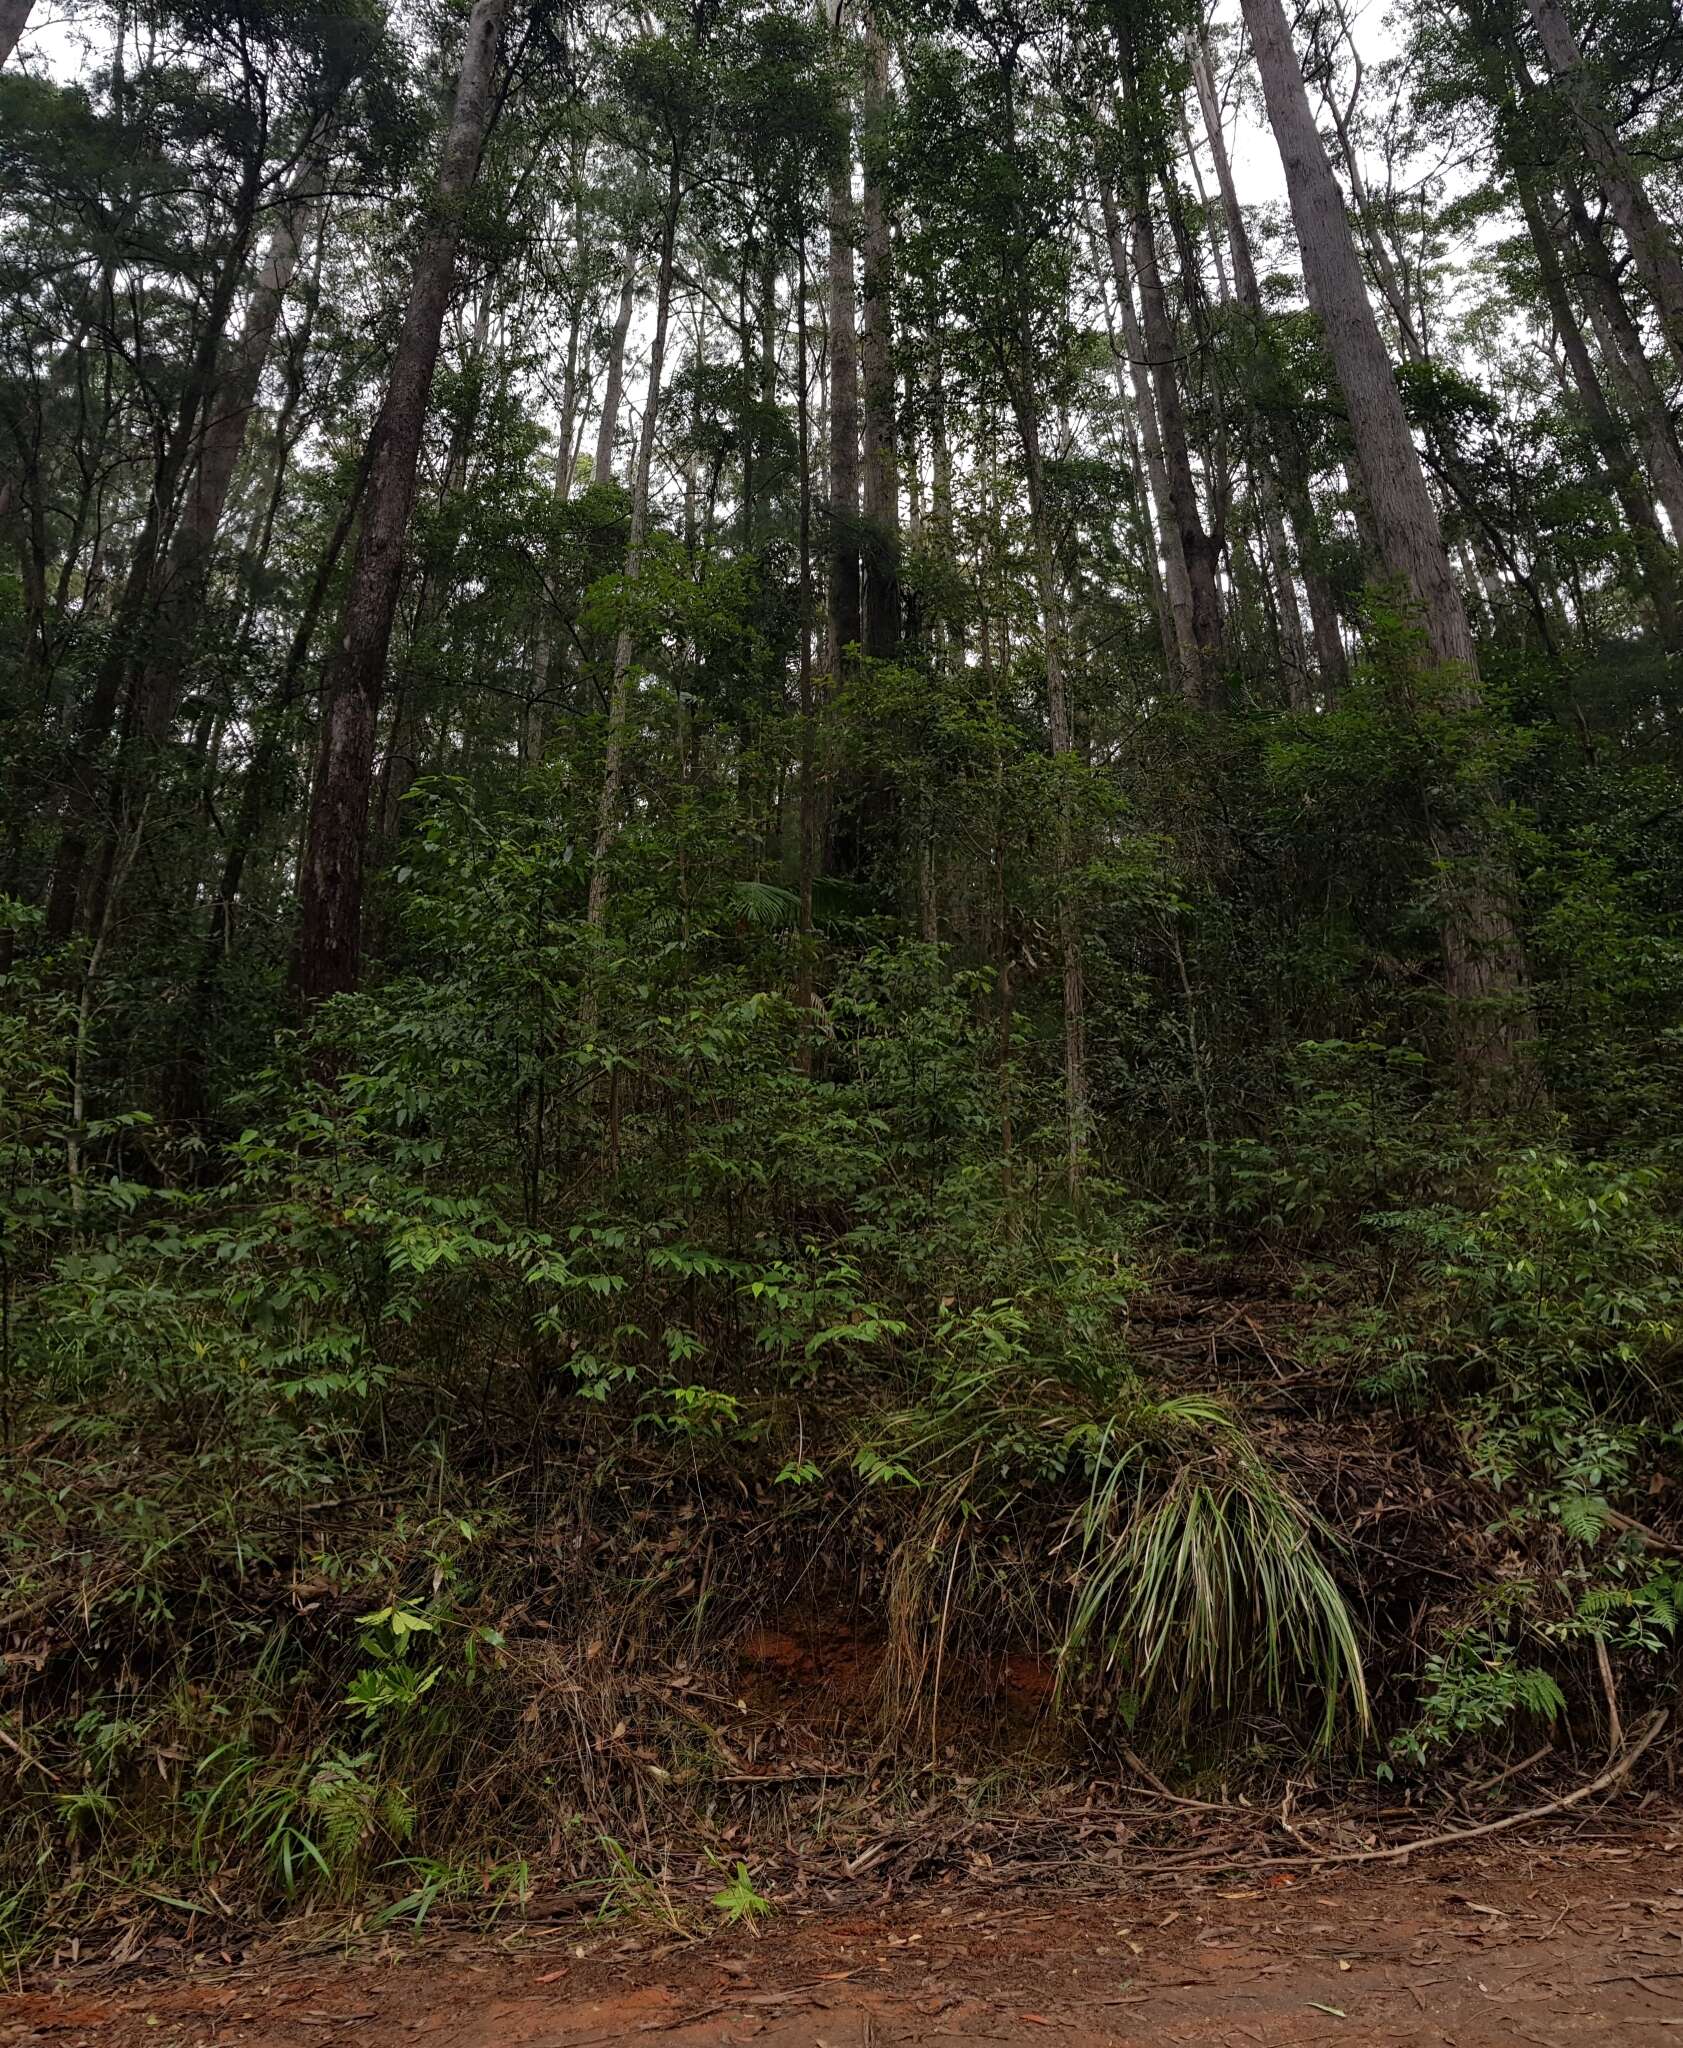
column 1205, row 1585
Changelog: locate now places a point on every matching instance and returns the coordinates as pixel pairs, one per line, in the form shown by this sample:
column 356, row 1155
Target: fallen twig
column 1619, row 1769
column 34, row 1762
column 1179, row 1798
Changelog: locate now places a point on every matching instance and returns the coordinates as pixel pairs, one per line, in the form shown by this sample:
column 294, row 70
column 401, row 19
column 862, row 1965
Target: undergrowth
column 389, row 1485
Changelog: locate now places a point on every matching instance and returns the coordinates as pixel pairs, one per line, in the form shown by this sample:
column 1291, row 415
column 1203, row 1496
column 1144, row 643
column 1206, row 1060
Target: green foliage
column 1357, row 1129
column 1474, row 1687
column 1558, row 1302
column 967, row 1138
column 739, row 1902
column 1208, row 1583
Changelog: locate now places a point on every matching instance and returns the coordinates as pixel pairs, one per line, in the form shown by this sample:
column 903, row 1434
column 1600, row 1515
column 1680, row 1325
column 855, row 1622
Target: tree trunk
column 1293, row 465
column 132, row 619
column 221, row 443
column 619, row 698
column 14, row 19
column 1294, row 654
column 1062, row 734
column 1025, row 404
column 1389, row 279
column 609, row 427
column 1183, row 657
column 1201, row 548
column 1484, row 972
column 1656, row 562
column 331, row 870
column 808, row 853
column 1653, row 250
column 1626, row 359
column 1128, row 405
column 1648, row 410
column 881, row 493
column 846, row 600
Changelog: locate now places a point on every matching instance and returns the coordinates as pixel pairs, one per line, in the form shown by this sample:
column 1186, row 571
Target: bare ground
column 1573, row 1937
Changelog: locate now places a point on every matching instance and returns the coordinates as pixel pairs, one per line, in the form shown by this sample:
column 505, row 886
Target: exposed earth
column 1574, row 1935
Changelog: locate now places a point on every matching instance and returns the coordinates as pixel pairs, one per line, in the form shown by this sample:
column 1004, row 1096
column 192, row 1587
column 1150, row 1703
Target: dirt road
column 1576, row 1940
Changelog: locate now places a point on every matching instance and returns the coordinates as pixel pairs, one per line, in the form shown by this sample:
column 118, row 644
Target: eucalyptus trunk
column 880, row 485
column 1653, row 248
column 1291, row 460
column 614, row 392
column 1181, row 645
column 1200, row 547
column 222, row 441
column 846, row 627
column 1483, row 963
column 619, row 694
column 330, row 880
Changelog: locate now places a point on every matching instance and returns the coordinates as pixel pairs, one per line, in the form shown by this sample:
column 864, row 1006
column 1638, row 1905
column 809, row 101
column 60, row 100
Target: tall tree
column 330, row 879
column 613, row 393
column 1653, row 248
column 880, row 486
column 1287, row 438
column 668, row 85
column 1484, row 966
column 1185, row 662
column 846, row 595
column 221, row 443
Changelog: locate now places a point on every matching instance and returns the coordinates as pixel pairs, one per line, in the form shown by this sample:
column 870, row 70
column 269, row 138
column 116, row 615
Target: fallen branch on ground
column 1617, row 1770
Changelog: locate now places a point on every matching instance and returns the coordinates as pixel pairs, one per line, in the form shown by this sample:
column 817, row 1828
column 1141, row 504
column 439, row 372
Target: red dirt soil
column 1574, row 1939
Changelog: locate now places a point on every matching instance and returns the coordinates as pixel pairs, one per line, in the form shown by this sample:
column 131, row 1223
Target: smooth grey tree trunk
column 1176, row 580
column 846, row 627
column 1145, row 497
column 1653, row 249
column 221, row 443
column 1200, row 548
column 607, row 431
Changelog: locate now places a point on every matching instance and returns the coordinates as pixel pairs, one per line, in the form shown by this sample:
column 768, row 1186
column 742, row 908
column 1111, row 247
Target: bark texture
column 613, row 395
column 1653, row 250
column 221, row 444
column 14, row 19
column 1483, row 965
column 330, row 881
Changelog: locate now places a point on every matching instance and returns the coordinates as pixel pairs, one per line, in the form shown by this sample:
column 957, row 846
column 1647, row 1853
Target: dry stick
column 1615, row 1726
column 1179, row 1798
column 1615, row 1771
column 1508, row 1771
column 34, row 1762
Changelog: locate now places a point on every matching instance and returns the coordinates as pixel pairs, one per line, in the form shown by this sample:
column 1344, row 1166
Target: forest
column 841, row 927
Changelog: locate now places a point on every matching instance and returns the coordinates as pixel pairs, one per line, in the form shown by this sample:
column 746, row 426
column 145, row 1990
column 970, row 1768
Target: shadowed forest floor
column 1573, row 1936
